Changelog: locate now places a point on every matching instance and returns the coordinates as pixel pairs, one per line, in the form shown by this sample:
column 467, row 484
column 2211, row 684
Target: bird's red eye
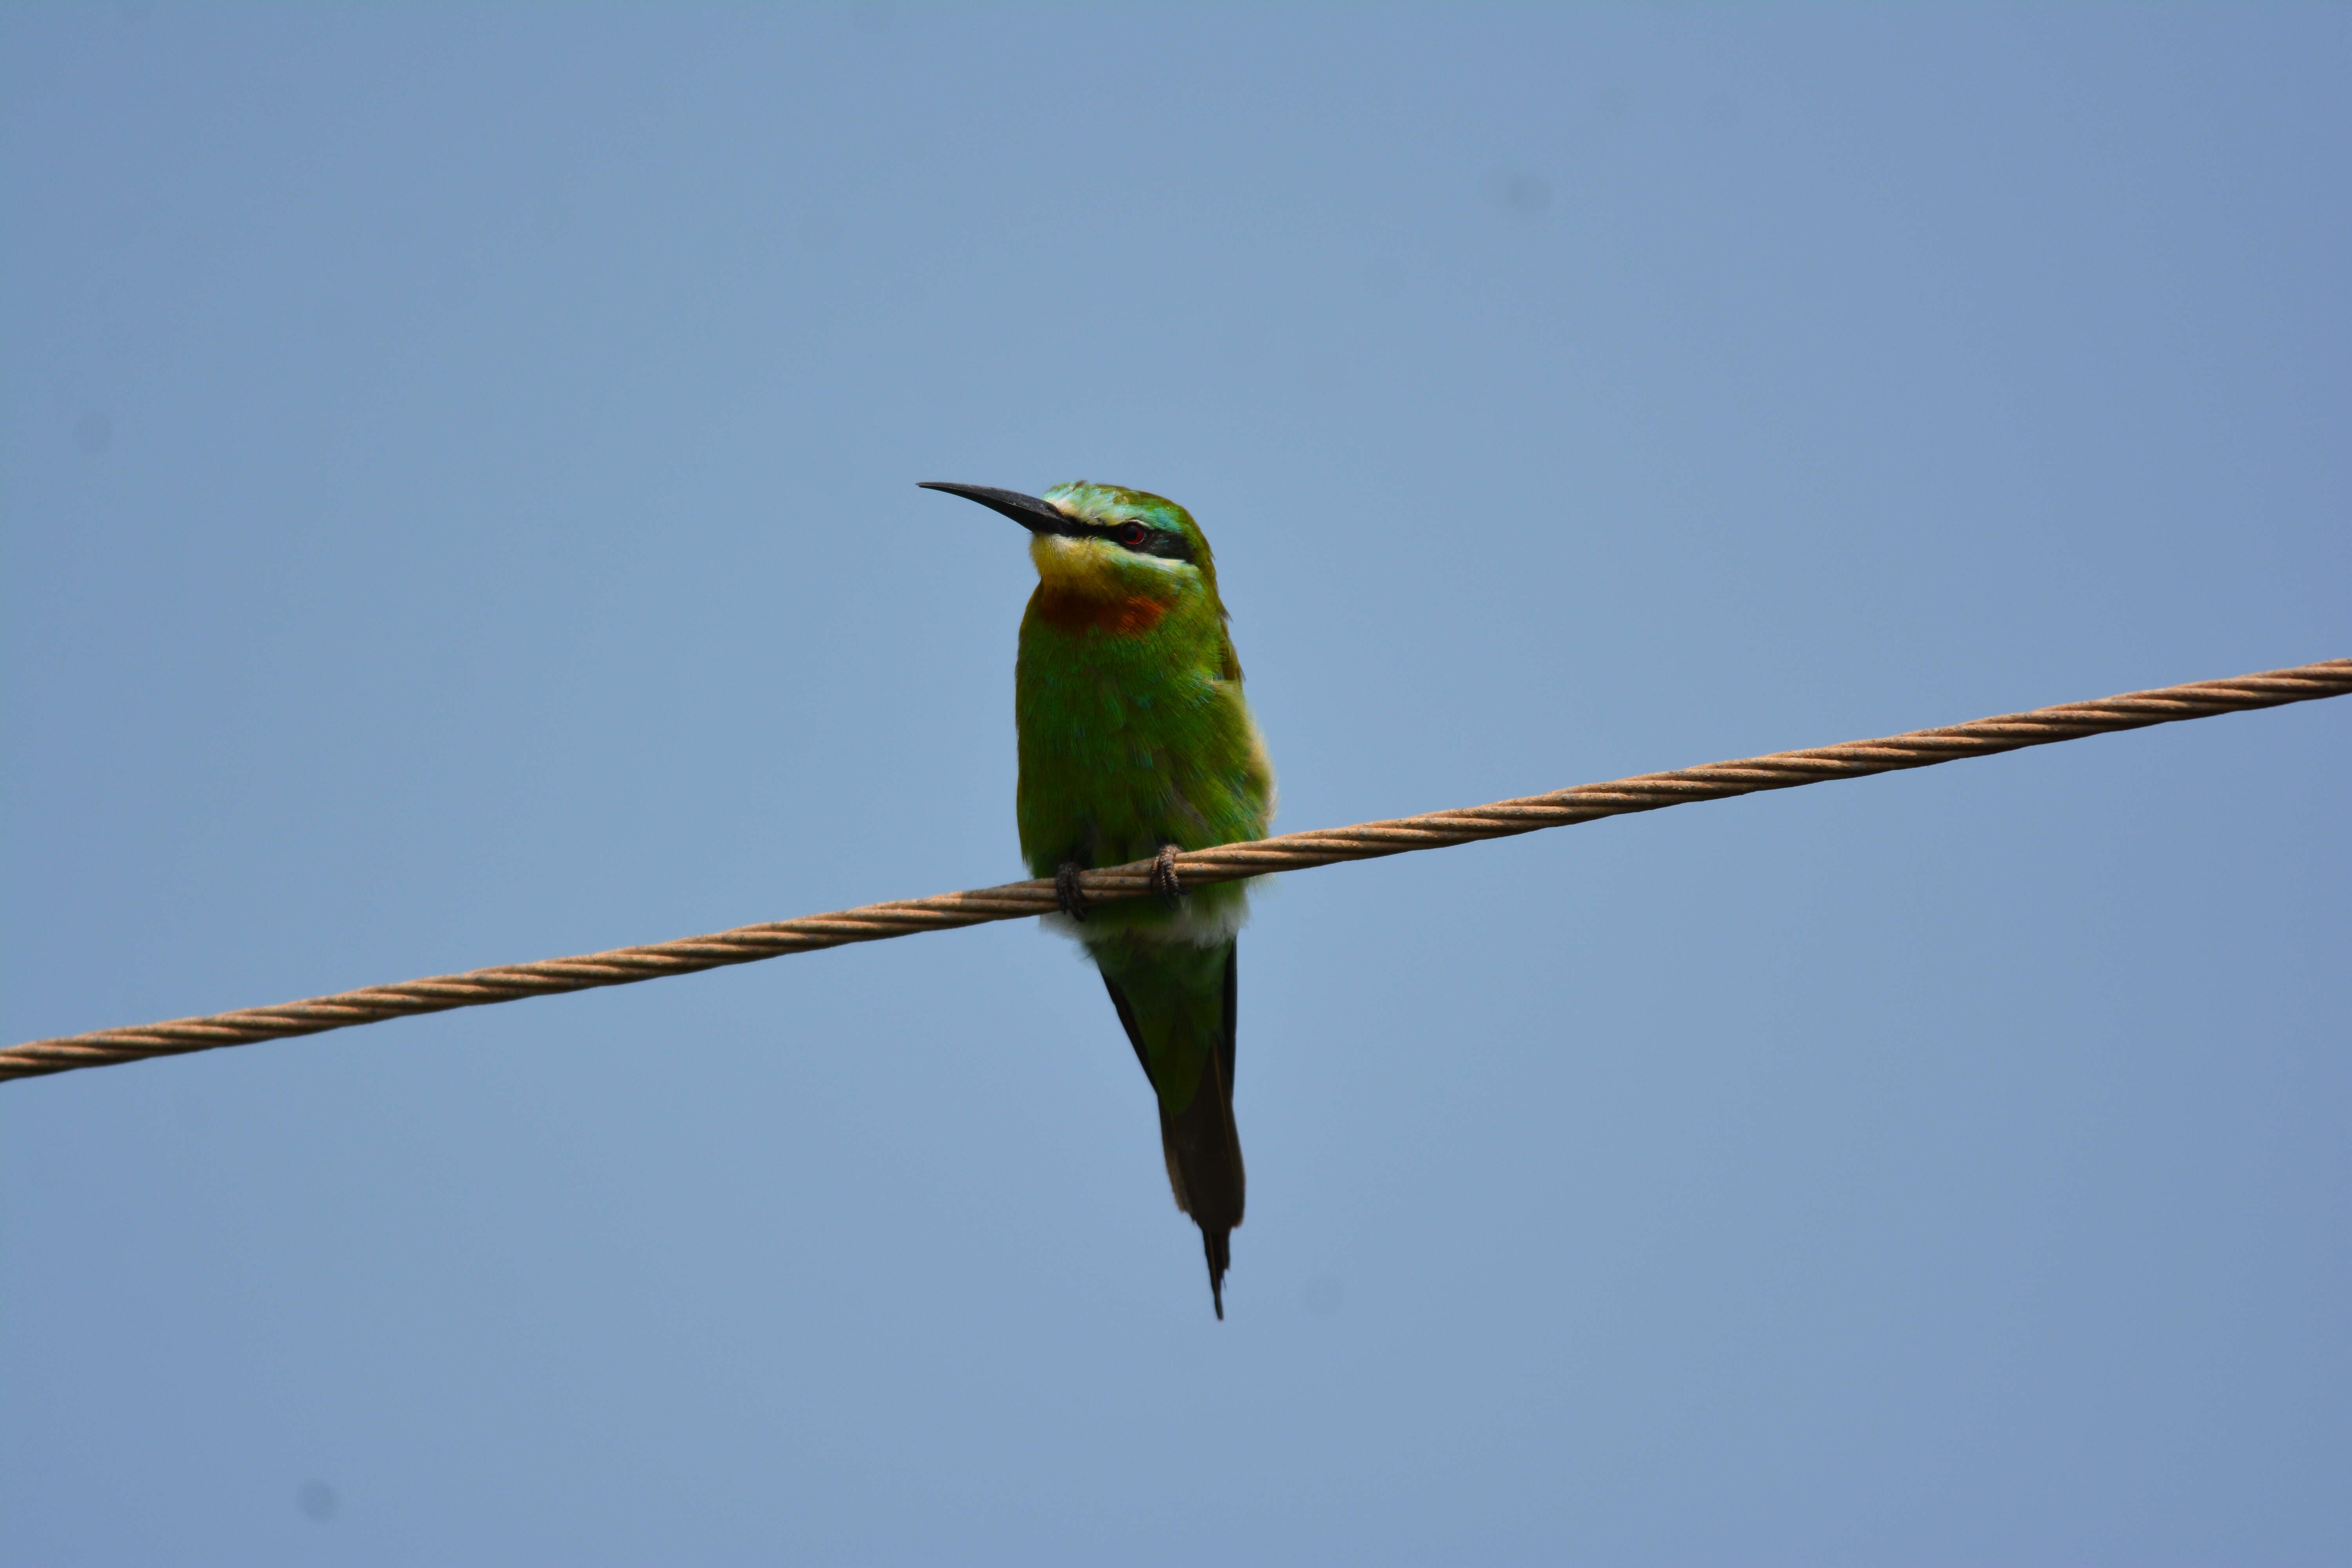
column 1133, row 535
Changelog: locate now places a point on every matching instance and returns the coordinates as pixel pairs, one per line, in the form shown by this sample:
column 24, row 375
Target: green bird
column 1135, row 743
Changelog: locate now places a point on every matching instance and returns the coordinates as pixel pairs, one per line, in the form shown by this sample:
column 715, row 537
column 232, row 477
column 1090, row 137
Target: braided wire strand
column 1223, row 863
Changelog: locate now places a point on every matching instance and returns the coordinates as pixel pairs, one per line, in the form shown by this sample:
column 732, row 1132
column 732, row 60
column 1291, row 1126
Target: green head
column 1106, row 545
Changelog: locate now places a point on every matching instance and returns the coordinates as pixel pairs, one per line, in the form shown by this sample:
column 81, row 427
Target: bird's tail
column 1204, row 1168
column 1178, row 1007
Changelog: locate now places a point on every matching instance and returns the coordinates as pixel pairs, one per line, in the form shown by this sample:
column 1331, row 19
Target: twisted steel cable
column 1224, row 863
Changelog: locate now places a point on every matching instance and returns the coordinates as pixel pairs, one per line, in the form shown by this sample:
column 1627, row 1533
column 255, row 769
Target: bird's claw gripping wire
column 1067, row 892
column 1164, row 880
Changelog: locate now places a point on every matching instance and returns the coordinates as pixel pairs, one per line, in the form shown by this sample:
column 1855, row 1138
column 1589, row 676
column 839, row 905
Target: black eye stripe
column 1166, row 543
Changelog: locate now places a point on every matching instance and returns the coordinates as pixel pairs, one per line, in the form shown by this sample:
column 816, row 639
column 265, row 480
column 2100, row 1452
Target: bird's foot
column 1164, row 880
column 1072, row 897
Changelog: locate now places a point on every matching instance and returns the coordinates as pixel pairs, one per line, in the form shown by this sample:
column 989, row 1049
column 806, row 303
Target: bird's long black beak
column 1036, row 516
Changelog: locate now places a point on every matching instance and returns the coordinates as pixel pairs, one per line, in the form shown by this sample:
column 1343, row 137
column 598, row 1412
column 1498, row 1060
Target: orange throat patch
column 1064, row 608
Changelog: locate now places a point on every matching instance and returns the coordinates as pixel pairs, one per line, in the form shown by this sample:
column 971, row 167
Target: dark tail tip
column 1220, row 1251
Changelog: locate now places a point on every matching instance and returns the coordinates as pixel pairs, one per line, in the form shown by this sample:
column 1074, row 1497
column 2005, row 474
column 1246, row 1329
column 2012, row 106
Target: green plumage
column 1134, row 735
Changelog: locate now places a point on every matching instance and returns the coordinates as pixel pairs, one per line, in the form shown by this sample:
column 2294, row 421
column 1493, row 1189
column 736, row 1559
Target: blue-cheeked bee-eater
column 1135, row 743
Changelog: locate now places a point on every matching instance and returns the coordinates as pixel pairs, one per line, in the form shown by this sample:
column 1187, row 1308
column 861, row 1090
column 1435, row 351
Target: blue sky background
column 459, row 503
